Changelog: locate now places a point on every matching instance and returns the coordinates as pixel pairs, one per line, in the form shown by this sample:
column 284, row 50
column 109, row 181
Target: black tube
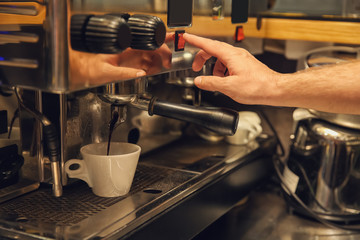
column 52, row 142
column 220, row 120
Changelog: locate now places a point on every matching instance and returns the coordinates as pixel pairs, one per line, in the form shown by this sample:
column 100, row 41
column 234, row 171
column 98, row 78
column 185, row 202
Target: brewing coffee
column 114, row 119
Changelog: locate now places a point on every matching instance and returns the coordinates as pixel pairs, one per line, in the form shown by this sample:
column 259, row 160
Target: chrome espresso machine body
column 57, row 57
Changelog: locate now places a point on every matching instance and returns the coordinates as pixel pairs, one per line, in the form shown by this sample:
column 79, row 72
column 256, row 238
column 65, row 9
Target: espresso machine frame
column 180, row 176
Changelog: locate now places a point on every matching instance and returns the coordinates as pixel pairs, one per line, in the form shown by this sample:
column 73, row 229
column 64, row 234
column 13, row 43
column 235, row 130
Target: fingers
column 219, row 69
column 209, row 48
column 212, row 47
column 169, row 37
column 199, row 60
column 210, row 83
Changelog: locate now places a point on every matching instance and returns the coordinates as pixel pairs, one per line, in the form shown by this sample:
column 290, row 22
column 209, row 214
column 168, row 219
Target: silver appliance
column 52, row 56
column 323, row 161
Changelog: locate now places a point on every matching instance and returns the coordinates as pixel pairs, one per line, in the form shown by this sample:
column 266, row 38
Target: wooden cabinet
column 280, row 28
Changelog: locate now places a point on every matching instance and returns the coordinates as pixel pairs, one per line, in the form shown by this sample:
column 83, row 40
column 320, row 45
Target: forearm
column 333, row 88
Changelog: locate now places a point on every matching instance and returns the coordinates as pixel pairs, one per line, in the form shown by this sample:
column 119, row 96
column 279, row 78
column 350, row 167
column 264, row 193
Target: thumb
column 210, row 83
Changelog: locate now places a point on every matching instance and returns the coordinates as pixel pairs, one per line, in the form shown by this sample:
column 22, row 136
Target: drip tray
column 79, row 203
column 158, row 185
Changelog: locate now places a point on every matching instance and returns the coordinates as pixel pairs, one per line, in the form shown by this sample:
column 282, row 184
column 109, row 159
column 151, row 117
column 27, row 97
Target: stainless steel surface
column 333, row 133
column 345, row 120
column 18, row 189
column 20, row 63
column 85, row 119
column 324, row 152
column 59, row 86
column 34, row 112
column 330, row 55
column 264, row 215
column 45, row 30
column 62, row 126
column 324, row 168
column 58, row 47
column 141, row 104
column 45, row 122
column 22, row 44
column 18, row 37
column 89, row 205
column 30, row 173
column 163, row 179
column 36, row 40
column 22, row 10
column 123, row 92
column 57, row 185
column 338, row 169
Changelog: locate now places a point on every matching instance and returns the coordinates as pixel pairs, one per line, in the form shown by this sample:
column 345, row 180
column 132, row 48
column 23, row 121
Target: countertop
column 264, row 215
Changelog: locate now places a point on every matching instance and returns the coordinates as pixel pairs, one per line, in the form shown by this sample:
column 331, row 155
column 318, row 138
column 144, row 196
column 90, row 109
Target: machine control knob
column 148, row 32
column 100, row 34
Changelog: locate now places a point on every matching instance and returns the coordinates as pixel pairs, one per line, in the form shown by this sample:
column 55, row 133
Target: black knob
column 148, row 32
column 99, row 34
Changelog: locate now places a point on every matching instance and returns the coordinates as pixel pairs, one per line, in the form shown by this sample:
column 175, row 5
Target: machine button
column 239, row 34
column 179, row 41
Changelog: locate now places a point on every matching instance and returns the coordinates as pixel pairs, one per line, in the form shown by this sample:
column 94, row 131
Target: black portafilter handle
column 220, row 120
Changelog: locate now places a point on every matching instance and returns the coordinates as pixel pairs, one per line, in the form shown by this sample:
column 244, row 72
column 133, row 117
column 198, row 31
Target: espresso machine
column 73, row 66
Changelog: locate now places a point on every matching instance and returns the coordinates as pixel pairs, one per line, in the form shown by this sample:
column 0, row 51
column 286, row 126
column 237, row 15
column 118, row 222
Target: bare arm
column 334, row 88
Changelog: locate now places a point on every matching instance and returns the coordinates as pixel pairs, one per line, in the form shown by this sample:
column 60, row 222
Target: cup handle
column 80, row 172
column 255, row 131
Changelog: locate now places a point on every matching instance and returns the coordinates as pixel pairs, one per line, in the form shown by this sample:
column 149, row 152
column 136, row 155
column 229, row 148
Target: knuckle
column 243, row 52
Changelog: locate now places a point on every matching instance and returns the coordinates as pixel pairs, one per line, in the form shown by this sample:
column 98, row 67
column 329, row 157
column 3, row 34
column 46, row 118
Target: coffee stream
column 114, row 119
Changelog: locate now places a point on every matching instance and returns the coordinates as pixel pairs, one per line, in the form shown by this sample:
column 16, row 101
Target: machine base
column 191, row 181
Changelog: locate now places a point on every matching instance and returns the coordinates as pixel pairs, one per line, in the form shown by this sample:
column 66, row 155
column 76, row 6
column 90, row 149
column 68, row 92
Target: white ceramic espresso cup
column 249, row 127
column 108, row 176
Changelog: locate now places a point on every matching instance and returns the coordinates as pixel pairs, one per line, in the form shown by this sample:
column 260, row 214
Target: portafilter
column 132, row 93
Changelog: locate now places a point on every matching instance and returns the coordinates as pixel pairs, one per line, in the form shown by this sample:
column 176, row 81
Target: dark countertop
column 264, row 215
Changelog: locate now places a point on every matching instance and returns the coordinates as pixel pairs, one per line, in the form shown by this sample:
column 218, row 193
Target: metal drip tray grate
column 182, row 182
column 77, row 203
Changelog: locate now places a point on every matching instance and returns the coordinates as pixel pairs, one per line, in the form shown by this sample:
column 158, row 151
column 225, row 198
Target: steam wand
column 52, row 140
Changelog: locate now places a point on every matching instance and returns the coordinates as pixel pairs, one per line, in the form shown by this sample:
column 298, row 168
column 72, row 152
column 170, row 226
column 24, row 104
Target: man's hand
column 237, row 73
